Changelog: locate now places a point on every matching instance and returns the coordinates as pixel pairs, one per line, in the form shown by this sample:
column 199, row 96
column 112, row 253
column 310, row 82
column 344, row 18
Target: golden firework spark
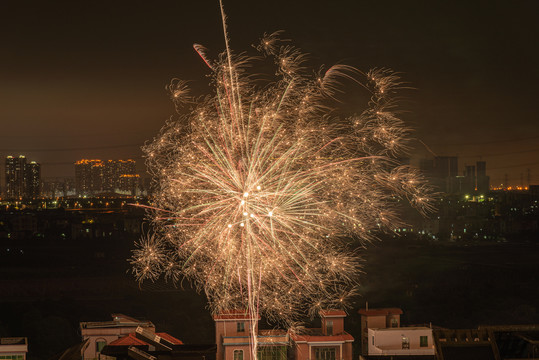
column 257, row 184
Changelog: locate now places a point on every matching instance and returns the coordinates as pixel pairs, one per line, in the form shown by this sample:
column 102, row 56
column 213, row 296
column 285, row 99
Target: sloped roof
column 131, row 340
column 75, row 352
column 170, row 338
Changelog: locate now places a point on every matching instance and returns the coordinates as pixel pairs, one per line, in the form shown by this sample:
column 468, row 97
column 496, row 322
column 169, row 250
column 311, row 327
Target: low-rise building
column 382, row 336
column 233, row 334
column 101, row 333
column 330, row 342
column 381, row 318
column 13, row 348
column 404, row 341
column 144, row 344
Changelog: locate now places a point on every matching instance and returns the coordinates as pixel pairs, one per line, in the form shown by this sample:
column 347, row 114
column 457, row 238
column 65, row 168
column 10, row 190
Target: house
column 377, row 319
column 143, row 344
column 233, row 333
column 330, row 342
column 383, row 336
column 405, row 341
column 13, row 348
column 101, row 333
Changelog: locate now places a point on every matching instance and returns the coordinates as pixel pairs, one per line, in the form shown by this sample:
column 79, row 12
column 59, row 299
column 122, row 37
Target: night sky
column 87, row 79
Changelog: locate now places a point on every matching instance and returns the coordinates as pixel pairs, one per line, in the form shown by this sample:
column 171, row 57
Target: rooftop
column 118, row 320
column 344, row 337
column 380, row 311
column 13, row 341
column 332, row 313
column 403, row 328
column 233, row 315
column 131, row 339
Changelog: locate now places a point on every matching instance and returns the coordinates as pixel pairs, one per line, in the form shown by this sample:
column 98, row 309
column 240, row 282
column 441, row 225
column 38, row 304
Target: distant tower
column 33, row 180
column 89, row 177
column 127, row 178
column 469, row 178
column 15, row 177
column 23, row 180
column 483, row 181
column 445, row 172
column 426, row 166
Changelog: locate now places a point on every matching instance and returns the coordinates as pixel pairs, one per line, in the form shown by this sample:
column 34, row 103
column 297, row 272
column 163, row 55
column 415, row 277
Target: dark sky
column 86, row 79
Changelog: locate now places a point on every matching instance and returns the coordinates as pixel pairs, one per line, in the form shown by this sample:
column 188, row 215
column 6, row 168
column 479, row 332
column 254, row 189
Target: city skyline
column 461, row 169
column 88, row 81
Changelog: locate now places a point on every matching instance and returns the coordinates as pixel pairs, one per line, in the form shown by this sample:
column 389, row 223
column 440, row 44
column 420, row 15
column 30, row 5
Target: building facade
column 382, row 335
column 404, row 341
column 233, row 334
column 23, row 179
column 13, row 348
column 377, row 319
column 94, row 177
column 33, row 180
column 102, row 333
column 330, row 342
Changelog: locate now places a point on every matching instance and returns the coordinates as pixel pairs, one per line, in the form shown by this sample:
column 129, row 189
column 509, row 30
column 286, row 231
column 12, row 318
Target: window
column 405, row 342
column 394, row 323
column 324, row 353
column 240, row 327
column 423, row 341
column 99, row 345
column 238, row 354
column 272, row 353
column 329, row 327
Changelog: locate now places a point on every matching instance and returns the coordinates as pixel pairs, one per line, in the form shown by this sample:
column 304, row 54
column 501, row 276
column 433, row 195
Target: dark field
column 46, row 290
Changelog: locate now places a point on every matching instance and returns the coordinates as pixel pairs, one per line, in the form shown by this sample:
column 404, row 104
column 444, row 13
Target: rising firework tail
column 258, row 186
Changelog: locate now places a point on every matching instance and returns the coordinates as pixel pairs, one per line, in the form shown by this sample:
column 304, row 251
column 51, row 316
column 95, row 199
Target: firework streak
column 258, row 185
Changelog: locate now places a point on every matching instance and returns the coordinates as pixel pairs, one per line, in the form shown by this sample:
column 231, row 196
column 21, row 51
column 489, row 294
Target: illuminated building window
column 405, row 342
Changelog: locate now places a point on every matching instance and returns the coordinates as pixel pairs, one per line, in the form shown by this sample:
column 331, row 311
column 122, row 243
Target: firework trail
column 258, row 184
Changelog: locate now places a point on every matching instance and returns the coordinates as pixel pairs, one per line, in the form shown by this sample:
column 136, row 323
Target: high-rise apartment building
column 93, row 177
column 483, row 181
column 15, row 167
column 89, row 177
column 23, row 180
column 442, row 171
column 33, row 180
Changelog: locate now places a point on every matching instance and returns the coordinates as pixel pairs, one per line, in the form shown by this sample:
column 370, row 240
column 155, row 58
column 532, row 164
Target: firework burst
column 258, row 184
